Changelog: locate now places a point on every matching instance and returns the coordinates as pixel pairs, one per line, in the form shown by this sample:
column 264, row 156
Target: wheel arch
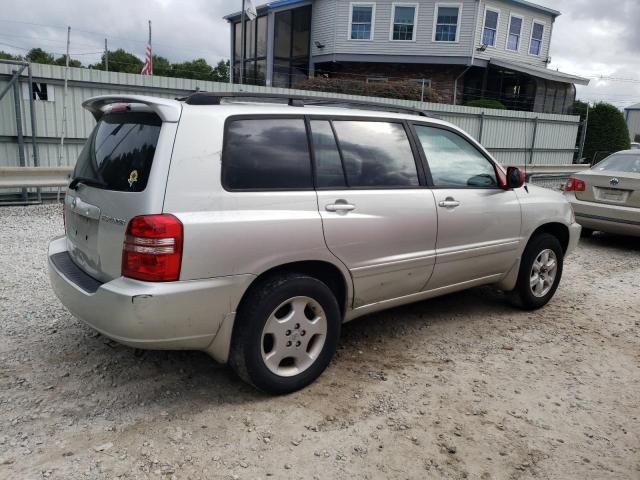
column 557, row 229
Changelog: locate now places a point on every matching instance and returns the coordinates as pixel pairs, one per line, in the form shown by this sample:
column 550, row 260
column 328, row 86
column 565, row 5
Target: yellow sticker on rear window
column 133, row 178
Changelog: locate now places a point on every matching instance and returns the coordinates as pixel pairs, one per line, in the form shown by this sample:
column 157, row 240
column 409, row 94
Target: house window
column 447, row 23
column 404, row 22
column 362, row 18
column 515, row 30
column 255, row 53
column 537, row 31
column 291, row 49
column 490, row 30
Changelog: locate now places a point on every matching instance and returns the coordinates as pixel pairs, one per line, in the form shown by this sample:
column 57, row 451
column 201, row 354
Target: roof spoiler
column 167, row 110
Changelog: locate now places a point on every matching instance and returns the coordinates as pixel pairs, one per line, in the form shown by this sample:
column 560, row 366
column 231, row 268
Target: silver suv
column 252, row 230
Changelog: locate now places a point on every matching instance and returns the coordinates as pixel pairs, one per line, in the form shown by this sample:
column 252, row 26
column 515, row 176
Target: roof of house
column 535, row 6
column 633, row 107
column 541, row 72
column 283, row 3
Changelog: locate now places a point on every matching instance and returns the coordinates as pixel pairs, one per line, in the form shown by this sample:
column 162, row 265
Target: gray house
column 463, row 49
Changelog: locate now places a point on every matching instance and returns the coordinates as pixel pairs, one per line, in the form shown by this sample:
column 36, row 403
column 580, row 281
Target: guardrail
column 34, row 177
column 40, row 177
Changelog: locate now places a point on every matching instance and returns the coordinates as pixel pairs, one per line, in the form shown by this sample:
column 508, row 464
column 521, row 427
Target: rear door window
column 376, row 154
column 119, row 153
column 329, row 171
column 266, row 154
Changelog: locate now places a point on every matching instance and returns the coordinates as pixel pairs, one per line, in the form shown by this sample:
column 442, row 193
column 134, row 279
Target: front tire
column 286, row 333
column 540, row 272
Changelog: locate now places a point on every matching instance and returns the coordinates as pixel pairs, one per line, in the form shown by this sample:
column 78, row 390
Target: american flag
column 147, row 68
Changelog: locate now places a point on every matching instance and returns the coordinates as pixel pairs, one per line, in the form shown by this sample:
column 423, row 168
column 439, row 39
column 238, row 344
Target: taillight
column 152, row 249
column 575, row 185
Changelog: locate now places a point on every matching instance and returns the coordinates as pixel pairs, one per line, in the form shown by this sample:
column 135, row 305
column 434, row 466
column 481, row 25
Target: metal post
column 481, row 127
column 21, row 156
column 64, row 99
column 422, row 93
column 14, row 78
column 34, row 128
column 533, row 141
column 583, row 134
column 242, row 44
column 106, row 56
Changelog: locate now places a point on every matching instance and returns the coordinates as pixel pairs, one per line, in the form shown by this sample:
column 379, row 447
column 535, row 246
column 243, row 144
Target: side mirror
column 515, row 178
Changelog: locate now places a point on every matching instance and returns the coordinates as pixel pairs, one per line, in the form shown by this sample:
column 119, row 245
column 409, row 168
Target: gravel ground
column 458, row 387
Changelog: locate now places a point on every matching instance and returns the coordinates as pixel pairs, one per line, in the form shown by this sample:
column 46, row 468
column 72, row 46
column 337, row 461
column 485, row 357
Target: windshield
column 119, row 153
column 620, row 163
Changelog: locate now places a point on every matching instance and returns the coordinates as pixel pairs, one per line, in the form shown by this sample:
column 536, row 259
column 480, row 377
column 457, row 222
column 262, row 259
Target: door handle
column 340, row 206
column 449, row 202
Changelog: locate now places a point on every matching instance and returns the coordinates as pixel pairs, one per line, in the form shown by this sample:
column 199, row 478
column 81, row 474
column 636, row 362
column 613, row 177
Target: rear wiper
column 86, row 181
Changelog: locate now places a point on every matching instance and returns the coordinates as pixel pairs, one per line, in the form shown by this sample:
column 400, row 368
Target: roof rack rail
column 216, row 98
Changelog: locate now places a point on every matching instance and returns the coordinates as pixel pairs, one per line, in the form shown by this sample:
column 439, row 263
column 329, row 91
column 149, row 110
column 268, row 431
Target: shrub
column 607, row 131
column 401, row 90
column 486, row 103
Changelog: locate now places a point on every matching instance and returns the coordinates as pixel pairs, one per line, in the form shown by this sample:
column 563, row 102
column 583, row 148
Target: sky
column 592, row 38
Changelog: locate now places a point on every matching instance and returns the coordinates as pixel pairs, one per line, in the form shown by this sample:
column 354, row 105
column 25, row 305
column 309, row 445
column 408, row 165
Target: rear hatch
column 614, row 181
column 120, row 173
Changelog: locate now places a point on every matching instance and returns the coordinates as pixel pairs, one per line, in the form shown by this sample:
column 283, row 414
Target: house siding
column 330, row 26
column 331, row 17
column 500, row 50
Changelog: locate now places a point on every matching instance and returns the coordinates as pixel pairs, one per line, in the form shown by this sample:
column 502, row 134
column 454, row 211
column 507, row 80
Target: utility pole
column 106, row 56
column 64, row 99
column 242, row 43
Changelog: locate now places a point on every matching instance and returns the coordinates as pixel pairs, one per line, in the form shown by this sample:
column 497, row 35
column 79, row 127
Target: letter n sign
column 42, row 92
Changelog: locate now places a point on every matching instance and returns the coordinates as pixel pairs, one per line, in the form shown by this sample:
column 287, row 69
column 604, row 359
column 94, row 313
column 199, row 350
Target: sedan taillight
column 152, row 249
column 575, row 185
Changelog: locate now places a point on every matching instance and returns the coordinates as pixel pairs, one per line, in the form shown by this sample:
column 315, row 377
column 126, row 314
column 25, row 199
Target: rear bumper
column 606, row 218
column 185, row 315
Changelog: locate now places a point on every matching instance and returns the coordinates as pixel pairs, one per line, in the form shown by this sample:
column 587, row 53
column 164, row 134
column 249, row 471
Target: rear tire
column 586, row 232
column 286, row 333
column 540, row 272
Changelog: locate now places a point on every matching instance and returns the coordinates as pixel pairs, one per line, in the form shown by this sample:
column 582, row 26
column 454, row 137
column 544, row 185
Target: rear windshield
column 119, row 153
column 629, row 163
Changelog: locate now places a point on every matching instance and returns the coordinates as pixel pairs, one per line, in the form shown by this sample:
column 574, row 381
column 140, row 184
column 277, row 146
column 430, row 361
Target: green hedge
column 486, row 103
column 401, row 90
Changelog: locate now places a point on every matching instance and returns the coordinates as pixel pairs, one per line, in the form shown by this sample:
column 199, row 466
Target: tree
column 221, row 72
column 7, row 56
column 38, row 55
column 607, row 132
column 197, row 69
column 72, row 62
column 120, row 61
column 161, row 66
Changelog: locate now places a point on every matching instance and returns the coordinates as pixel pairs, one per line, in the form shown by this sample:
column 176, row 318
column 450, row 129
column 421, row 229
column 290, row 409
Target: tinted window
column 453, row 161
column 119, row 153
column 329, row 171
column 620, row 163
column 376, row 154
column 266, row 154
column 283, row 34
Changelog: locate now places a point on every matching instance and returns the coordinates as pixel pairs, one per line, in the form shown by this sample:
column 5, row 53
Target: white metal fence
column 514, row 138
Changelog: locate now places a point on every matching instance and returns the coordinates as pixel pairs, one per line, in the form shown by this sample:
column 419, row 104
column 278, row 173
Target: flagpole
column 151, row 58
column 242, row 43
